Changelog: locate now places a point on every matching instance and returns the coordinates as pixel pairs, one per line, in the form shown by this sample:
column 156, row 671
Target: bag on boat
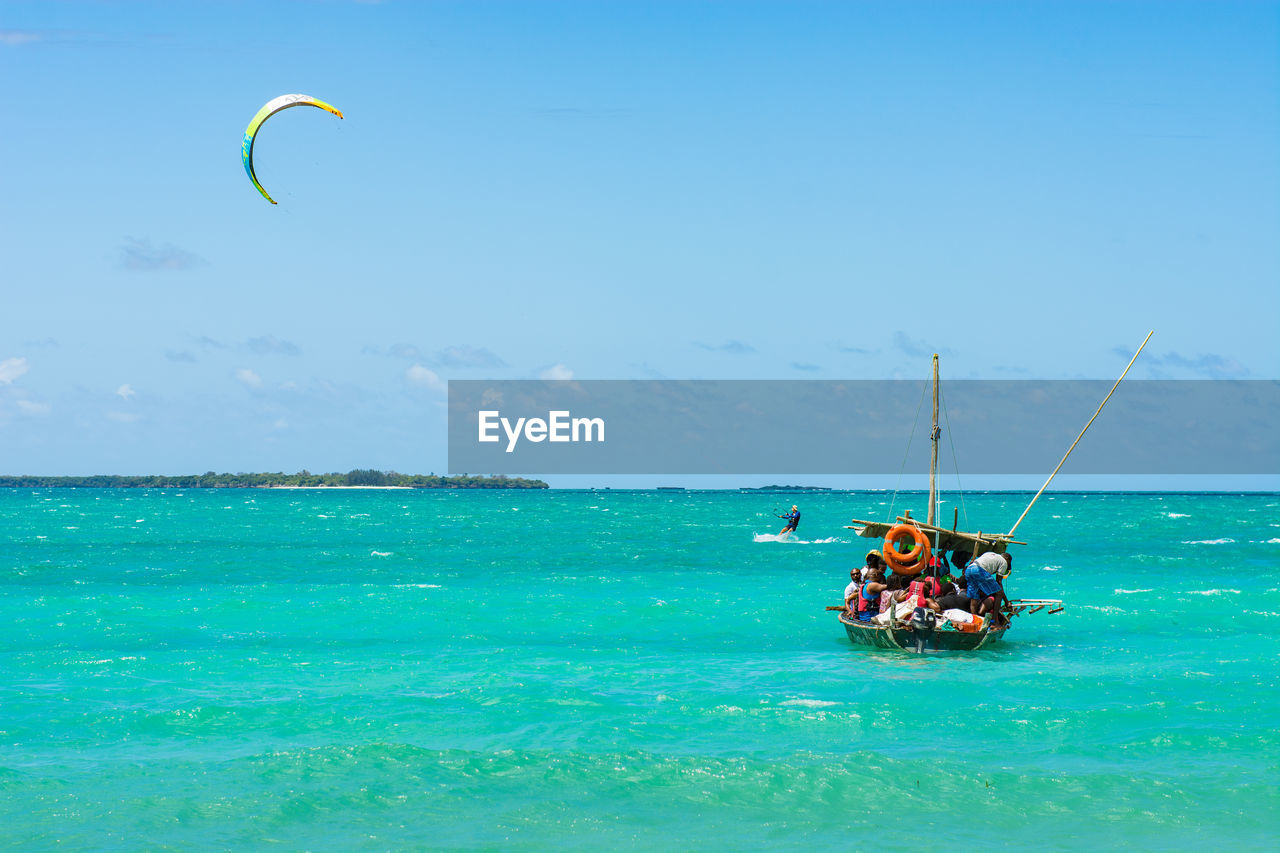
column 903, row 610
column 964, row 620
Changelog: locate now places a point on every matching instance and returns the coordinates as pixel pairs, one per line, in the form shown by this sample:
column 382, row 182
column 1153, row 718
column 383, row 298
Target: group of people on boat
column 968, row 602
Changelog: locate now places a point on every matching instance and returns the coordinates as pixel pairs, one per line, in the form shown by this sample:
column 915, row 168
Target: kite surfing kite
column 269, row 109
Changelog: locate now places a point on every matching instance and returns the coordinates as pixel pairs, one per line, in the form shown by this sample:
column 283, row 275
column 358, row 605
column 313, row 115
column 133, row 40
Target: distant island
column 785, row 489
column 359, row 478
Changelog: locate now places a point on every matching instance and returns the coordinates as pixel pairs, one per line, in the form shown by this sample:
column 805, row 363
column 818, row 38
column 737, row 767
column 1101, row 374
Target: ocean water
column 389, row 670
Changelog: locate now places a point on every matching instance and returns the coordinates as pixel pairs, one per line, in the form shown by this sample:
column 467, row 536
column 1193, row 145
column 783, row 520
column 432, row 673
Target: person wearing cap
column 793, row 521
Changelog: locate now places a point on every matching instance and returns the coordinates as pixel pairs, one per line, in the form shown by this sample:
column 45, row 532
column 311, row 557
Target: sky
column 607, row 190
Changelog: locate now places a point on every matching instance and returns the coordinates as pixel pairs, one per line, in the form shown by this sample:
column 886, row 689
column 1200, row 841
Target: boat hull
column 908, row 639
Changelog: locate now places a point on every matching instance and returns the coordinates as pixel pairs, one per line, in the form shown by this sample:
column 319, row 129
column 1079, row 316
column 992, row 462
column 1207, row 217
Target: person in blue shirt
column 793, row 521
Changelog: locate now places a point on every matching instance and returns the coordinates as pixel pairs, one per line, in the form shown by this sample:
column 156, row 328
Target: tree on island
column 242, row 480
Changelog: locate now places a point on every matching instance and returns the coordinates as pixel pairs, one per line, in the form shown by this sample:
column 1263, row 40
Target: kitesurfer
column 793, row 521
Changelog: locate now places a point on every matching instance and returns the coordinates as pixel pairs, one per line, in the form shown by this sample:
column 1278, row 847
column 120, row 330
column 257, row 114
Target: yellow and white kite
column 269, row 109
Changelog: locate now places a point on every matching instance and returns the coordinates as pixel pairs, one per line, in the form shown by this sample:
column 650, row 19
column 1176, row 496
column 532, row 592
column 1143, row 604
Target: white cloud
column 30, row 407
column 17, row 37
column 141, row 255
column 914, row 348
column 123, row 417
column 249, row 378
column 11, row 369
column 464, row 356
column 405, row 351
column 556, row 371
column 735, row 347
column 425, row 377
column 271, row 344
column 1212, row 365
column 126, row 392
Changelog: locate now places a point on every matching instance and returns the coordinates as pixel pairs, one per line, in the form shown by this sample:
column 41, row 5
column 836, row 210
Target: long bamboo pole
column 988, row 539
column 1081, row 435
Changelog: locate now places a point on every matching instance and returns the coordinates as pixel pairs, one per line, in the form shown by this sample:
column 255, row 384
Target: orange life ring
column 913, row 561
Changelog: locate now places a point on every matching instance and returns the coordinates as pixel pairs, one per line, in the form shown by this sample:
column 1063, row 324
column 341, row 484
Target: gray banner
column 860, row 426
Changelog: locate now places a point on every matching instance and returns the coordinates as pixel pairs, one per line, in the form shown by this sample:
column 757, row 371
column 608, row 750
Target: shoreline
column 405, row 488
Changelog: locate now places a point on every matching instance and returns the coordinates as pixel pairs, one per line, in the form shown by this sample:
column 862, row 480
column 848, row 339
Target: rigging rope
column 905, row 456
column 954, row 460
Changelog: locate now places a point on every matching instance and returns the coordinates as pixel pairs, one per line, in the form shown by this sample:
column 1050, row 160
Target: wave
column 791, row 540
column 808, row 703
column 1132, row 591
column 1208, row 541
column 380, row 553
column 1175, row 515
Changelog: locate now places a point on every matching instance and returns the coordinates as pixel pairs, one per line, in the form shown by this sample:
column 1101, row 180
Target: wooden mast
column 934, row 434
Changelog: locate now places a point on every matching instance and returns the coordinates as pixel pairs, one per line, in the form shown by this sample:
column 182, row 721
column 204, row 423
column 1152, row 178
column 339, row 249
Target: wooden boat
column 925, row 632
column 909, row 637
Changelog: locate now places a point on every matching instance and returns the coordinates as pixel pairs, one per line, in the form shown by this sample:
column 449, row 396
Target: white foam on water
column 1272, row 542
column 1175, row 515
column 1223, row 541
column 808, row 703
column 1132, row 591
column 791, row 540
column 416, row 586
column 380, row 553
column 1215, row 592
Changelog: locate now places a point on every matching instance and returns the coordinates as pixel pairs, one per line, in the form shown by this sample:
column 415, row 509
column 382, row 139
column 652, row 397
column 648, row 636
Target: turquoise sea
column 391, row 670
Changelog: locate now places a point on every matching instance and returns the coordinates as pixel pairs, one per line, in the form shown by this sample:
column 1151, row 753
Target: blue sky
column 607, row 190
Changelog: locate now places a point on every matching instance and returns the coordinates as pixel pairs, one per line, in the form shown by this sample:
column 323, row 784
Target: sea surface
column 512, row 670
